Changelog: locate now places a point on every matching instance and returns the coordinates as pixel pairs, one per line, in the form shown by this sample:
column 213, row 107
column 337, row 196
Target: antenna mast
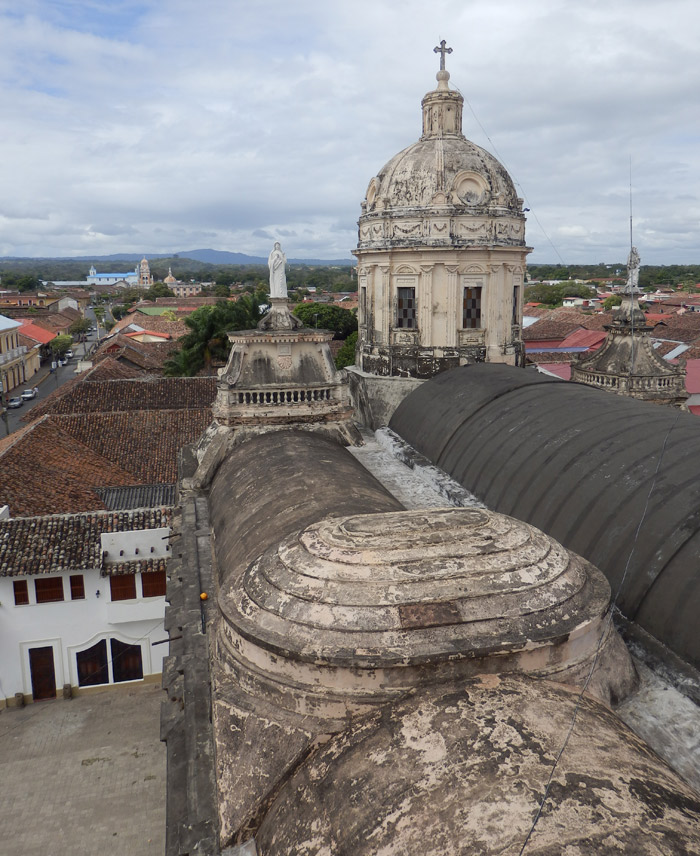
column 631, row 241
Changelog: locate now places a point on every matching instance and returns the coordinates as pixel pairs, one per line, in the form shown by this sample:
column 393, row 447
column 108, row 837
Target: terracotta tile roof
column 546, row 330
column 111, row 369
column 675, row 333
column 131, row 394
column 35, row 332
column 693, row 352
column 665, row 348
column 145, row 566
column 157, row 323
column 677, row 300
column 67, row 542
column 27, row 342
column 584, row 339
column 143, row 443
column 148, row 356
column 559, row 323
column 536, row 310
column 46, row 470
column 54, row 323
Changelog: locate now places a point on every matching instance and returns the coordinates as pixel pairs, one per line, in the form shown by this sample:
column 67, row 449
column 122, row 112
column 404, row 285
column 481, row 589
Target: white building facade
column 82, row 601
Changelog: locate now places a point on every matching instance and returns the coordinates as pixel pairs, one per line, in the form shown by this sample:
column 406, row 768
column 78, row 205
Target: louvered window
column 406, row 309
column 471, row 308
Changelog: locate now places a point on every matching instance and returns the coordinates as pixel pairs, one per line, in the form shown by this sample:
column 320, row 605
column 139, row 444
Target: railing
column 282, row 397
column 8, row 356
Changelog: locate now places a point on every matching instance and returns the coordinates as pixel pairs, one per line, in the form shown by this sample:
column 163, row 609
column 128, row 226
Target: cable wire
column 515, row 181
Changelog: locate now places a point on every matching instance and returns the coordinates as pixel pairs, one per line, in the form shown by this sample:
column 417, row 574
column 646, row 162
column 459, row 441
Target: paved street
column 84, row 777
column 47, row 382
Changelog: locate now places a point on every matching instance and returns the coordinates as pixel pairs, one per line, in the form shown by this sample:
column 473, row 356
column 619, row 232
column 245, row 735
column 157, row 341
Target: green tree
column 79, row 327
column 158, row 289
column 553, row 295
column 119, row 311
column 326, row 316
column 222, row 290
column 206, row 340
column 60, row 345
column 346, row 355
column 612, row 301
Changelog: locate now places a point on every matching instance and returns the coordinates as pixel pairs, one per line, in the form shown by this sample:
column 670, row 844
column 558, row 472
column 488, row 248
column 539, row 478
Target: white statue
column 633, row 271
column 278, row 277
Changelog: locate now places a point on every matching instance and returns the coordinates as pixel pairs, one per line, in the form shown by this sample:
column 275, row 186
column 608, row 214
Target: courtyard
column 84, row 776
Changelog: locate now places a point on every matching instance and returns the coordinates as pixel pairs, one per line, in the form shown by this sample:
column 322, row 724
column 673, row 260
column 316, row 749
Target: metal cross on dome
column 442, row 50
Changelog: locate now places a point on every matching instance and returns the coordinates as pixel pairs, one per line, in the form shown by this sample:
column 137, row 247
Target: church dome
column 443, row 170
column 443, row 189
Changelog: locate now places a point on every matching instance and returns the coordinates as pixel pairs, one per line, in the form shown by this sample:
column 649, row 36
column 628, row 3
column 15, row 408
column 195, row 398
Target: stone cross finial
column 442, row 50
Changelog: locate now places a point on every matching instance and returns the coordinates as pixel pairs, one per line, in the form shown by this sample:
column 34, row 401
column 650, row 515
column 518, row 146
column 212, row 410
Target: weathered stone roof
column 360, row 592
column 578, row 463
column 279, row 483
column 67, row 542
column 461, row 771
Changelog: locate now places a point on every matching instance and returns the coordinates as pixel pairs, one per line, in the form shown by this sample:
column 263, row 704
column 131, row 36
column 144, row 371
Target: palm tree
column 207, row 338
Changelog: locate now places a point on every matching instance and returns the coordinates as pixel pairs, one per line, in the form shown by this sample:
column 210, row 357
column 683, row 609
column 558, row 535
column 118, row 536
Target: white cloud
column 163, row 126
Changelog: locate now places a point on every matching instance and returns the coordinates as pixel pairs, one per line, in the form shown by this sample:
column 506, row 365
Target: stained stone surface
column 354, row 612
column 462, row 771
column 364, row 603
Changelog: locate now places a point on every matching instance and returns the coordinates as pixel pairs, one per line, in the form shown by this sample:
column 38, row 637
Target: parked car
column 15, row 402
column 69, row 354
column 29, row 393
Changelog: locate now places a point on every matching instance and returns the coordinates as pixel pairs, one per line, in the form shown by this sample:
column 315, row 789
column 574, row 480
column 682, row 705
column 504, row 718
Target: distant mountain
column 220, row 257
column 223, row 257
column 212, row 257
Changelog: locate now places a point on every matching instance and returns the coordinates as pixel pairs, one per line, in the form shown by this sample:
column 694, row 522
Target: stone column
column 425, row 310
column 454, row 312
column 494, row 314
column 383, row 303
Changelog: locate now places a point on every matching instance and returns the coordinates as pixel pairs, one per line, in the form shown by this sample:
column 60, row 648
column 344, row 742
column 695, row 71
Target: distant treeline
column 298, row 276
column 649, row 275
column 339, row 278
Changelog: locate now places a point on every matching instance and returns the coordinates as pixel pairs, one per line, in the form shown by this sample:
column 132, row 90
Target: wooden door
column 42, row 672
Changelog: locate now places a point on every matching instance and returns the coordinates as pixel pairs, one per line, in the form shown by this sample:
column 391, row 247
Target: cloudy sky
column 168, row 125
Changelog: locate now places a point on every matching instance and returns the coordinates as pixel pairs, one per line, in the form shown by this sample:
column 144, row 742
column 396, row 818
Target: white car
column 29, row 393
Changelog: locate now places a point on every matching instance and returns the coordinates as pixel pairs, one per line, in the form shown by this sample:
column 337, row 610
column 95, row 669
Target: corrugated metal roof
column 137, row 496
column 7, row 324
column 578, row 463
